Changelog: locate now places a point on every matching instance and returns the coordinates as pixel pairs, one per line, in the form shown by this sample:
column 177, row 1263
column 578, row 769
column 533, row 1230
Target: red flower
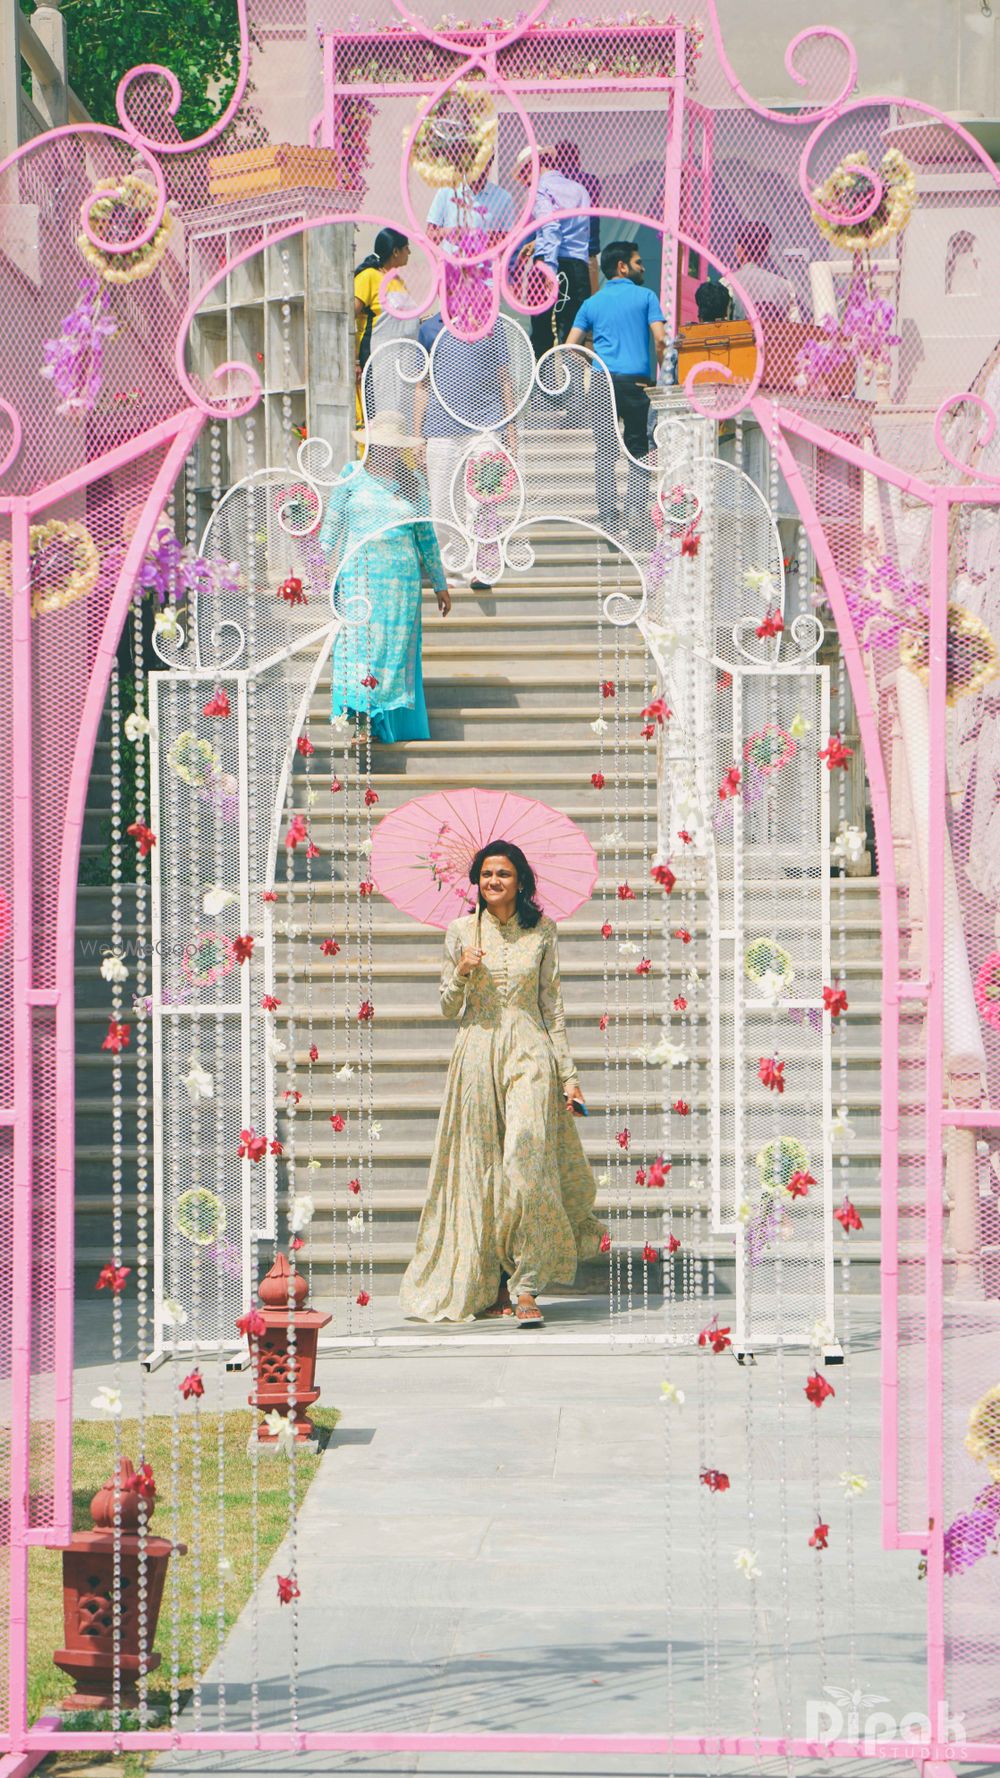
column 296, row 1243
column 276, row 1146
column 141, row 1483
column 656, row 712
column 772, row 625
column 218, row 704
column 291, row 590
column 662, row 874
column 329, row 947
column 690, row 542
column 366, row 1011
column 607, row 688
column 143, row 836
column 305, row 746
column 624, row 1138
column 293, row 1094
column 288, row 1589
column 298, row 830
column 112, row 1277
column 312, row 850
column 243, row 948
column 192, row 1384
column 252, row 1147
column 657, row 1171
column 597, row 780
column 715, row 1479
column 269, row 1003
column 354, row 1185
column 625, row 893
column 680, row 1004
column 605, row 1246
column 724, row 681
column 607, row 930
column 366, row 887
column 771, row 1074
column 682, row 834
column 252, row 1324
column 643, row 966
column 269, row 895
column 673, row 1245
column 117, row 1038
column 335, row 785
column 848, row 1217
column 799, row 1183
column 362, row 1298
column 647, row 731
column 819, row 1538
column 683, row 934
column 338, row 1122
column 313, row 1053
column 835, row 1001
column 650, row 1253
column 602, row 1023
column 730, row 785
column 369, row 682
column 817, row 1389
column 682, row 1108
column 640, row 1176
column 836, row 754
column 371, row 797
column 715, row 1336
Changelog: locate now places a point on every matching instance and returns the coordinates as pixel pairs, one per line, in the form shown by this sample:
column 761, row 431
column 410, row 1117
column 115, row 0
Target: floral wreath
column 778, row 1160
column 770, row 749
column 457, row 139
column 972, row 654
column 850, row 186
column 200, row 1215
column 194, row 759
column 982, row 1441
column 765, row 956
column 138, row 199
column 987, row 990
column 65, row 563
column 490, row 477
column 207, row 959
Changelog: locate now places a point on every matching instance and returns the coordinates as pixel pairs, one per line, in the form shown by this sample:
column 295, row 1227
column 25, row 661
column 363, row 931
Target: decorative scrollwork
column 174, row 95
column 814, row 35
column 985, row 436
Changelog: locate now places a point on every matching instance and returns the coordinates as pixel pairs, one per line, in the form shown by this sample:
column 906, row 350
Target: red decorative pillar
column 285, row 1380
column 88, row 1598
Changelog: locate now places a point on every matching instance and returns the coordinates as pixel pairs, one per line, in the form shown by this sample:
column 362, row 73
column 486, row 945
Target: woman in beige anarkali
column 510, row 1188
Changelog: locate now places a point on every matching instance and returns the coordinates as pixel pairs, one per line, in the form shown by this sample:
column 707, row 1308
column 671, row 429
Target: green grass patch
column 188, row 1639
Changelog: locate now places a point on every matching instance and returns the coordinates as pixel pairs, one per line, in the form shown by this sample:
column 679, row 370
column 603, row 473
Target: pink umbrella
column 421, row 852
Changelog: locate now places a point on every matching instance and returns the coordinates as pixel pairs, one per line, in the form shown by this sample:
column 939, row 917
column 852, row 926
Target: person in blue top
column 626, row 325
column 562, row 242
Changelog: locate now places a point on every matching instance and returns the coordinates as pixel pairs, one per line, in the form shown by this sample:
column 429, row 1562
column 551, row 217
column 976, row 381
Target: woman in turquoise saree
column 385, row 548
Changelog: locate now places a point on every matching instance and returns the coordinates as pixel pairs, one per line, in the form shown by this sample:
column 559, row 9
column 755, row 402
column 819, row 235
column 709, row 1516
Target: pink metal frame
column 175, row 437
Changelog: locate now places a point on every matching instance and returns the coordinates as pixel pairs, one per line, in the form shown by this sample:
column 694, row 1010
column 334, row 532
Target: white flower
column 342, row 726
column 314, row 1165
column 216, row 899
column 276, row 1046
column 604, row 1178
column 772, row 985
column 345, row 1072
column 744, row 1210
column 599, row 727
column 224, row 1565
column 366, row 847
column 628, row 947
column 663, row 637
column 288, row 928
column 357, row 1221
column 798, row 728
column 301, row 1213
column 108, row 1400
column 282, row 1429
column 671, row 1396
column 849, row 844
column 113, row 968
column 311, row 795
column 671, row 1055
column 840, row 1129
column 746, row 1562
column 760, row 580
column 610, row 838
column 136, row 726
column 822, row 1334
column 166, row 625
column 375, row 1131
column 197, row 1082
column 852, row 1484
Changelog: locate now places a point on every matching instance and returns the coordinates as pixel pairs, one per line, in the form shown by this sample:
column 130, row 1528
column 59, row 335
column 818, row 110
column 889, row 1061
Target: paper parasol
column 421, row 852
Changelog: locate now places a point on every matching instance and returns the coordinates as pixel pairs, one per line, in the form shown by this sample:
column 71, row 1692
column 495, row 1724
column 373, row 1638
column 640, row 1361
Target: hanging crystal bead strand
column 308, row 954
column 645, row 1122
column 366, row 1031
column 142, row 1197
column 174, row 826
column 223, row 1320
column 608, row 916
column 116, row 1182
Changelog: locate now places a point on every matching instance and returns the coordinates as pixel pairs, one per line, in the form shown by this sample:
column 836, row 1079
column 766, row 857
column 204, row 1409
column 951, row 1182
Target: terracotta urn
column 285, row 1378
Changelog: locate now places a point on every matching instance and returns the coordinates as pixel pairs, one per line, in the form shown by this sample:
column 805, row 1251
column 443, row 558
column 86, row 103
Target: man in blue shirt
column 561, row 242
column 623, row 317
column 467, row 392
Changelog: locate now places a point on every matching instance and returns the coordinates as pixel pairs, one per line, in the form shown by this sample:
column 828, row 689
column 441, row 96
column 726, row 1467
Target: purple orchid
column 863, row 334
column 968, row 1538
column 74, row 362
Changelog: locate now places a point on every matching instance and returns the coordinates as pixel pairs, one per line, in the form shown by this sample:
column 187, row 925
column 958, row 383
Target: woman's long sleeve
column 454, row 987
column 335, row 517
column 430, row 555
column 550, row 1002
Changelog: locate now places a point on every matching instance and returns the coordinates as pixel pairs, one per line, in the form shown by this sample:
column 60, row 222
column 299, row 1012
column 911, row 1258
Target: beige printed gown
column 510, row 1187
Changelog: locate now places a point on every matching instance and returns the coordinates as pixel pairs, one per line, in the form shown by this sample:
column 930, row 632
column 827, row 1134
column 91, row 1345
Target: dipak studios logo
column 855, row 1716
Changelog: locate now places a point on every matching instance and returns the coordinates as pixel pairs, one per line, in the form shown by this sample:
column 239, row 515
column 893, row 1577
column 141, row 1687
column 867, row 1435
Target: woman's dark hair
column 528, row 911
column 387, row 242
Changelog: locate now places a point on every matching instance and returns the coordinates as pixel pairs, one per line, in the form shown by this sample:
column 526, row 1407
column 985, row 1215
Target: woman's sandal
column 529, row 1315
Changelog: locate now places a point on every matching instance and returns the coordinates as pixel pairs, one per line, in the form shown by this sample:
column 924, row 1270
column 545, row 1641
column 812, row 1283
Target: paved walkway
column 491, row 1543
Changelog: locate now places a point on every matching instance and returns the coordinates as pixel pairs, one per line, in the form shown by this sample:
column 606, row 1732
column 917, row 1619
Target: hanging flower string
column 74, row 360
